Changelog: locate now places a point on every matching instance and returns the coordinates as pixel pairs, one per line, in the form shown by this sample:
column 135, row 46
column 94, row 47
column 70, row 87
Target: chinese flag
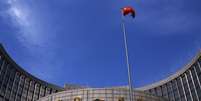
column 128, row 10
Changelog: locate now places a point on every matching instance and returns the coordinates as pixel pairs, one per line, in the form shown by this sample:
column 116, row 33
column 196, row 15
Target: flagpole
column 127, row 60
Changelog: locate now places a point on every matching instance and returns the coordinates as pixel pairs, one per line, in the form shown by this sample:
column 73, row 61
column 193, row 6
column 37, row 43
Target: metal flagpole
column 127, row 60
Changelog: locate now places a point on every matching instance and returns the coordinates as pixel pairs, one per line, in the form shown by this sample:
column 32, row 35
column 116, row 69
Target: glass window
column 181, row 92
column 15, row 86
column 197, row 69
column 36, row 92
column 42, row 91
column 199, row 62
column 5, row 79
column 158, row 90
column 191, row 85
column 175, row 90
column 170, row 92
column 20, row 88
column 25, row 89
column 2, row 72
column 153, row 91
column 164, row 91
column 196, row 80
column 47, row 91
column 10, row 83
column 1, row 62
column 186, row 88
column 31, row 90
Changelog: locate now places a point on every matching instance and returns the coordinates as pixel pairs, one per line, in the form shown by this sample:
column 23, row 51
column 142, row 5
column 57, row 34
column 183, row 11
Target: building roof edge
column 173, row 76
column 6, row 55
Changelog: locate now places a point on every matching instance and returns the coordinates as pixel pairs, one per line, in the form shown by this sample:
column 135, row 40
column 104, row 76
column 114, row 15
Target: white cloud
column 19, row 16
column 23, row 18
column 11, row 1
column 32, row 34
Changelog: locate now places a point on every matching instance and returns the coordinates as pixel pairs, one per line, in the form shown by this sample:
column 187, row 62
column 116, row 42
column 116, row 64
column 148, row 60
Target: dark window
column 5, row 80
column 169, row 89
column 196, row 80
column 31, row 91
column 1, row 62
column 158, row 90
column 175, row 90
column 47, row 91
column 15, row 86
column 186, row 88
column 10, row 83
column 191, row 85
column 2, row 73
column 153, row 91
column 198, row 70
column 20, row 88
column 25, row 90
column 199, row 62
column 36, row 92
column 42, row 91
column 181, row 92
column 164, row 91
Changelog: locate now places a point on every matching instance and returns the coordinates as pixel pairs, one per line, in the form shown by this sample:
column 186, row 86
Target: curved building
column 100, row 94
column 18, row 85
column 184, row 85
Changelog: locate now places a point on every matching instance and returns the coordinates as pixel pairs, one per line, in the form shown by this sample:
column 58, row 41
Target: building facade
column 18, row 85
column 100, row 94
column 184, row 85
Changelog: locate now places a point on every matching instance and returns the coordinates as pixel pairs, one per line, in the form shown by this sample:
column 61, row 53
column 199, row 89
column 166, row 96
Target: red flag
column 128, row 10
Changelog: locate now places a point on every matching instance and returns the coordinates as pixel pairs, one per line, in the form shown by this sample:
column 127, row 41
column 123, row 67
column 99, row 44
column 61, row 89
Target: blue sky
column 81, row 41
